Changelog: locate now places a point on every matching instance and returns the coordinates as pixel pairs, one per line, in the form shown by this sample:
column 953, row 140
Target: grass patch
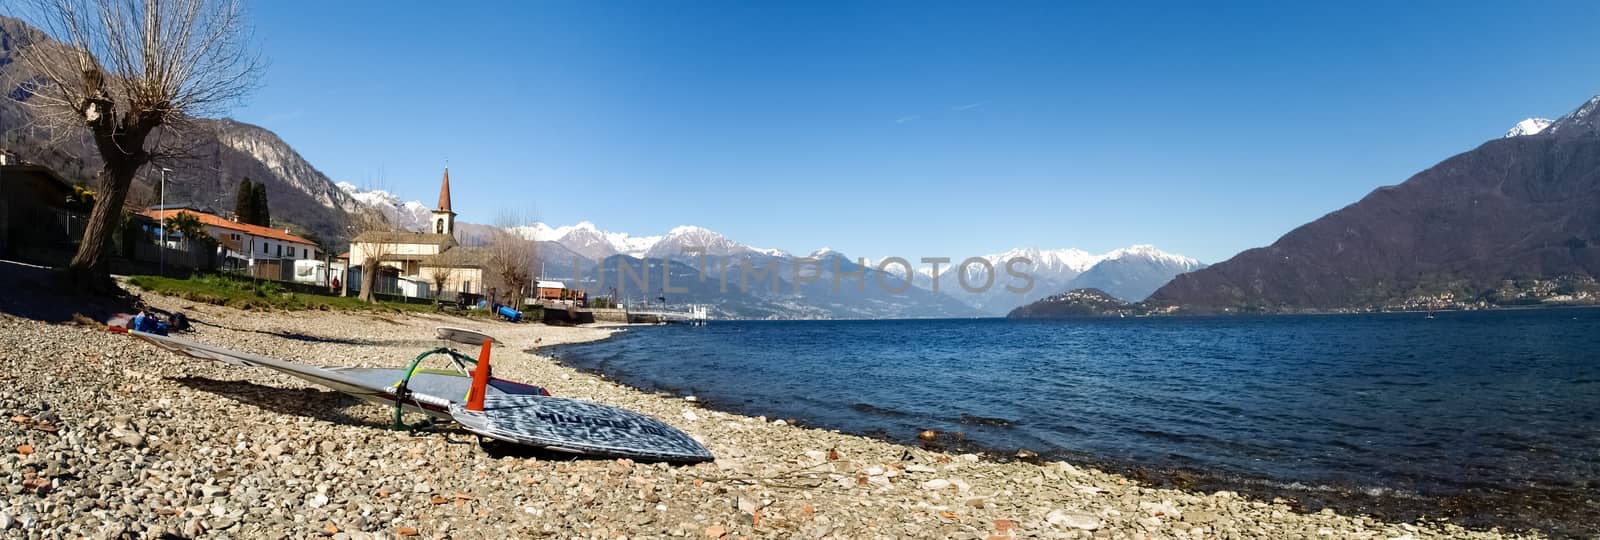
column 245, row 293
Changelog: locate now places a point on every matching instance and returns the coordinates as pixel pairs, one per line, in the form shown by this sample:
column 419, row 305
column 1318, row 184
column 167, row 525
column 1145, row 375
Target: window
column 305, row 253
column 280, row 250
column 438, row 226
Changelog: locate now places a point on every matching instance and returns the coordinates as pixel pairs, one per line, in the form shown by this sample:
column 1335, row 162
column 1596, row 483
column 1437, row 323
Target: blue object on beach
column 510, row 314
column 149, row 324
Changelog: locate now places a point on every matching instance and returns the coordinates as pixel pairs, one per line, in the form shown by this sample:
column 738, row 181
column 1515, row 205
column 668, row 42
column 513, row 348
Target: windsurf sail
column 502, row 410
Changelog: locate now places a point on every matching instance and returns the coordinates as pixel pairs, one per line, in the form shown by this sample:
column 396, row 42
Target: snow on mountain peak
column 1528, row 126
column 589, row 240
column 1581, row 120
column 684, row 239
column 407, row 215
column 824, row 252
column 1150, row 252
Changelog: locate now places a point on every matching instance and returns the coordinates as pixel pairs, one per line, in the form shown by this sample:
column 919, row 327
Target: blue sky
column 909, row 128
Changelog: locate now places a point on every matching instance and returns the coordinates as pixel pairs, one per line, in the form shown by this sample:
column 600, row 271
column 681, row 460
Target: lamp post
column 163, row 223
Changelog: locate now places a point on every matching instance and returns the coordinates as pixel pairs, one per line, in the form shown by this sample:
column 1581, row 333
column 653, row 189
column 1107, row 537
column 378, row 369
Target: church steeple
column 444, row 220
column 444, row 192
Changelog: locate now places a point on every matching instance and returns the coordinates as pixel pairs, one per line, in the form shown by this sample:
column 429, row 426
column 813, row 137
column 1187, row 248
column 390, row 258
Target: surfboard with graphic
column 513, row 412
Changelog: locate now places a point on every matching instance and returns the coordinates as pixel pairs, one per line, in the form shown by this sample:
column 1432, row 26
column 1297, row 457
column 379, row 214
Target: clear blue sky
column 908, row 128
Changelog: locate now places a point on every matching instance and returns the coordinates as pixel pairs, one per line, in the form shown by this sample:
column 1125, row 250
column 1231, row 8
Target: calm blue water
column 1491, row 417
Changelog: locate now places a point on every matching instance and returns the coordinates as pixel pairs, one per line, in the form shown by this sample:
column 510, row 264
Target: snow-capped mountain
column 589, row 240
column 1528, row 126
column 407, row 215
column 686, row 241
column 1130, row 273
column 824, row 253
column 1584, row 119
column 1063, row 263
column 679, row 243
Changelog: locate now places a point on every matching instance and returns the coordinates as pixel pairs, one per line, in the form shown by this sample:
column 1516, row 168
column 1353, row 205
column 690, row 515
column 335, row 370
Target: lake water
column 1489, row 418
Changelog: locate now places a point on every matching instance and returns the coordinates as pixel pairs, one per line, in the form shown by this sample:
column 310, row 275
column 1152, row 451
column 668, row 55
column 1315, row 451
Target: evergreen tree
column 263, row 213
column 244, row 201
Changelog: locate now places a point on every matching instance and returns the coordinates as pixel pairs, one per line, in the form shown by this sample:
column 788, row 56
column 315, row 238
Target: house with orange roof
column 264, row 252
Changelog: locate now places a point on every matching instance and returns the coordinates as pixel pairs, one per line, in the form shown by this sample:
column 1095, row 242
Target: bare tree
column 444, row 270
column 372, row 243
column 121, row 70
column 510, row 255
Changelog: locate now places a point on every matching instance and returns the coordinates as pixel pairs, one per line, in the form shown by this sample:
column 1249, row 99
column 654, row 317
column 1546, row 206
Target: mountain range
column 1517, row 218
column 1130, row 273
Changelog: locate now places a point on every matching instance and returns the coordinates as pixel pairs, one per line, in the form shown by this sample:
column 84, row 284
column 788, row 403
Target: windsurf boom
column 470, row 396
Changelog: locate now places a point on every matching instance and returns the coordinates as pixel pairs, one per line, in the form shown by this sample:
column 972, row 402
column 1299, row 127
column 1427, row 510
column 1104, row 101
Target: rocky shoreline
column 105, row 436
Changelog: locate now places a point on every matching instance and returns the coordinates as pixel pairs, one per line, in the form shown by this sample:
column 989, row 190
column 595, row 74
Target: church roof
column 458, row 257
column 444, row 192
column 403, row 237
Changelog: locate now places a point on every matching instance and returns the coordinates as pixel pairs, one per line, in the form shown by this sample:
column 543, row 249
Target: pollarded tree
column 509, row 257
column 373, row 243
column 121, row 69
column 443, row 270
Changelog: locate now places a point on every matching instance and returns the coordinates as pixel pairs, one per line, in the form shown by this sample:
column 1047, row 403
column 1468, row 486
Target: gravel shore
column 104, row 436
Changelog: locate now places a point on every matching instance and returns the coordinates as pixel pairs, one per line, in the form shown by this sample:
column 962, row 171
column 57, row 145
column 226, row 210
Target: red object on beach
column 480, row 379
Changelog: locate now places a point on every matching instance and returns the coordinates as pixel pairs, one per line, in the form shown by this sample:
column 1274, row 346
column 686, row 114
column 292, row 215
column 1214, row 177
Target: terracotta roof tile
column 223, row 223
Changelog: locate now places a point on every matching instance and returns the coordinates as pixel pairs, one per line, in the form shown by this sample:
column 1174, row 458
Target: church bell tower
column 444, row 220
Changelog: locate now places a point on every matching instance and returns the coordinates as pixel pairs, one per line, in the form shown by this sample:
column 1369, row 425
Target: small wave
column 971, row 419
column 1370, row 491
column 1163, row 435
column 874, row 409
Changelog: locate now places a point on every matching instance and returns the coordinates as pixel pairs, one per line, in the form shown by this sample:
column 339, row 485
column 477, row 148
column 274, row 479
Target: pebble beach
column 104, row 436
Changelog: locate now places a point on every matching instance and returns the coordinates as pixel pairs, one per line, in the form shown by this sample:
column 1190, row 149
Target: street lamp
column 163, row 223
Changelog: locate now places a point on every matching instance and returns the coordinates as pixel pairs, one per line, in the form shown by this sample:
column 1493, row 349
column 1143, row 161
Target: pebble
column 1073, row 520
column 134, row 440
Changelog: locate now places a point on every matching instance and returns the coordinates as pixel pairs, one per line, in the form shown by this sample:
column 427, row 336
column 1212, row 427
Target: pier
column 691, row 314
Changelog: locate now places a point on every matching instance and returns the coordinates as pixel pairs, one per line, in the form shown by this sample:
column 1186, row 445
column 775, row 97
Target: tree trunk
column 89, row 268
column 369, row 279
column 121, row 147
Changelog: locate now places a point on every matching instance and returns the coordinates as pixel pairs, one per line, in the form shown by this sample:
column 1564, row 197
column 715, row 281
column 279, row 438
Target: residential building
column 262, row 251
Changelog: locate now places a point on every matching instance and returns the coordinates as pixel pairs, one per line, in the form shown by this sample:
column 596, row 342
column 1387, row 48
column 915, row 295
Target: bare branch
column 370, row 247
column 510, row 256
column 118, row 70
